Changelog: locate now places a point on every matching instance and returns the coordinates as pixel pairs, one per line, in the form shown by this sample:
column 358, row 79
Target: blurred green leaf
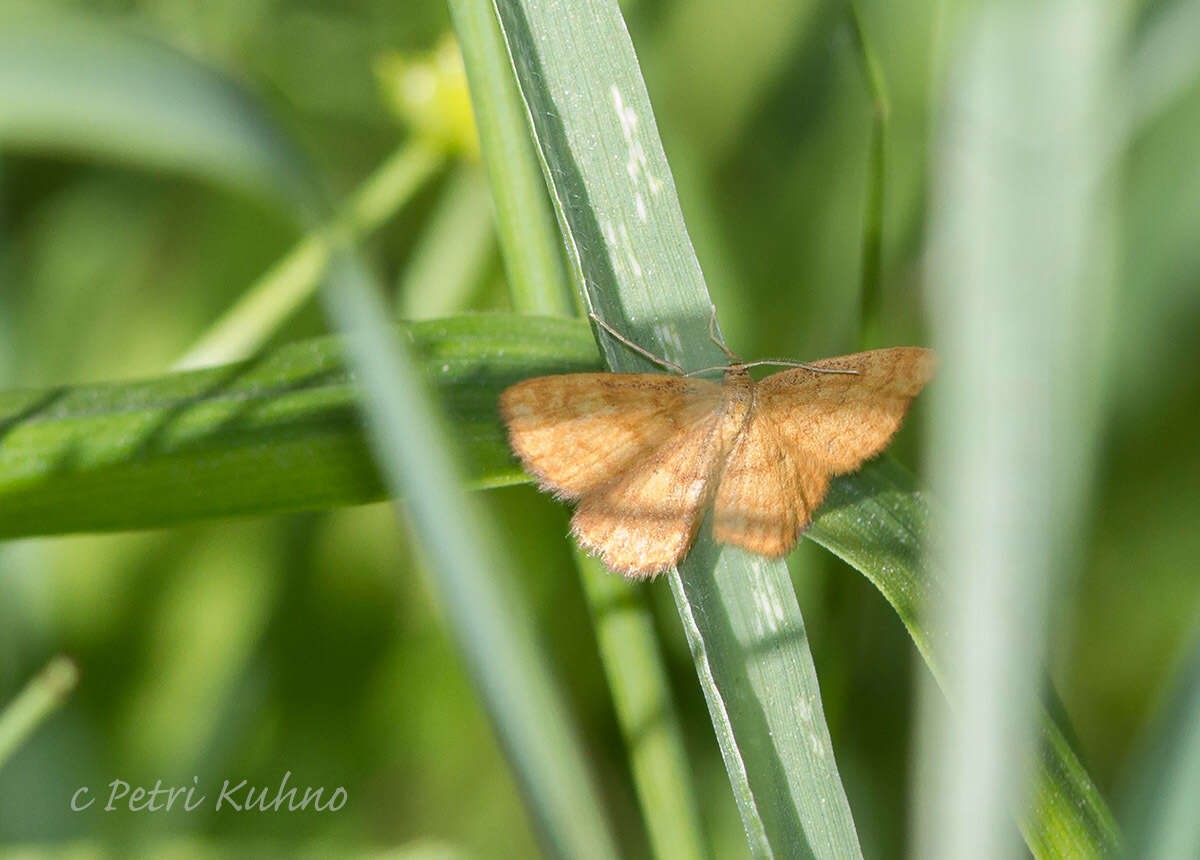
column 1163, row 65
column 529, row 238
column 471, row 570
column 1163, row 790
column 1019, row 283
column 872, row 244
column 41, row 696
column 733, row 54
column 445, row 269
column 67, row 85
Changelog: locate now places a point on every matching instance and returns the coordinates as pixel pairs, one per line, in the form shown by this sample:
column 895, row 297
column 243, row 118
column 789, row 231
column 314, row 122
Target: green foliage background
column 307, row 643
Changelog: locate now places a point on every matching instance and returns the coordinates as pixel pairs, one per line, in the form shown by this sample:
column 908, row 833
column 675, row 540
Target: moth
column 646, row 455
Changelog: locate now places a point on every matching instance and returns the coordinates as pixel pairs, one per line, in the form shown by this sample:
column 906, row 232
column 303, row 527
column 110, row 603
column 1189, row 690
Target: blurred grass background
column 308, row 643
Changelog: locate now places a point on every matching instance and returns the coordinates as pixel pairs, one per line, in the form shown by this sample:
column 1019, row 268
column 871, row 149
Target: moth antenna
column 712, row 334
column 657, row 359
column 783, row 362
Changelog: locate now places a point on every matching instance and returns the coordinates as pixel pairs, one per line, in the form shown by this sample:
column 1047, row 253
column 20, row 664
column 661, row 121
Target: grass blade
column 629, row 650
column 1164, row 790
column 41, row 696
column 872, row 246
column 641, row 693
column 1018, row 287
column 631, row 253
column 278, row 433
column 529, row 238
column 470, row 567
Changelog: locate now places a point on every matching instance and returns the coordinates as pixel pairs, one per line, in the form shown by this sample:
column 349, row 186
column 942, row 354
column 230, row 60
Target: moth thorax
column 738, row 403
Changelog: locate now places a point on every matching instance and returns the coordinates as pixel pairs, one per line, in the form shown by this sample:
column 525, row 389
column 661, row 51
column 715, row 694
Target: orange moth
column 646, row 455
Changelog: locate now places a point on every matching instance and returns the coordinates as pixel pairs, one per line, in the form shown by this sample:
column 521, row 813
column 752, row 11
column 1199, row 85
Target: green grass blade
column 1164, row 789
column 280, row 432
column 629, row 650
column 642, row 699
column 1018, row 287
column 40, row 698
column 470, row 567
column 630, row 251
column 872, row 243
column 529, row 238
